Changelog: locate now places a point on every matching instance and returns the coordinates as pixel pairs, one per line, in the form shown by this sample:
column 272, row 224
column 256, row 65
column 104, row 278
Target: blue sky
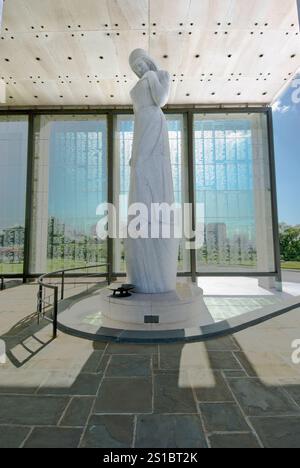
column 286, row 112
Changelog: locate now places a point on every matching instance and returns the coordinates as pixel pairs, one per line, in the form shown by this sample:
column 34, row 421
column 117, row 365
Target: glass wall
column 123, row 137
column 232, row 183
column 70, row 181
column 13, row 168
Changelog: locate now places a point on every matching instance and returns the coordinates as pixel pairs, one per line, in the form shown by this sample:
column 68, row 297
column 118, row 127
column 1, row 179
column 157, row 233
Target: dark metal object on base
column 121, row 290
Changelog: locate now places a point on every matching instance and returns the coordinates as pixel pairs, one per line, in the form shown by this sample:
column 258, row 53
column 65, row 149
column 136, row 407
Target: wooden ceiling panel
column 63, row 15
column 74, row 52
column 224, row 14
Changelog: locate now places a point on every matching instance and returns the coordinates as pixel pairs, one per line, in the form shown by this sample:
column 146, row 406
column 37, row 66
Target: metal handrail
column 61, row 274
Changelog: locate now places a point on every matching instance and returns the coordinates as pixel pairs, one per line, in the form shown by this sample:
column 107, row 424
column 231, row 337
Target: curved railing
column 44, row 301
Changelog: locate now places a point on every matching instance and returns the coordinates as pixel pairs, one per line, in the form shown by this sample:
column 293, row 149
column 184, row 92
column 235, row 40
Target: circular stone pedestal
column 172, row 310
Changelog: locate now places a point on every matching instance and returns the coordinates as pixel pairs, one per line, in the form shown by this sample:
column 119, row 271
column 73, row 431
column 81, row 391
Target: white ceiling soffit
column 74, row 52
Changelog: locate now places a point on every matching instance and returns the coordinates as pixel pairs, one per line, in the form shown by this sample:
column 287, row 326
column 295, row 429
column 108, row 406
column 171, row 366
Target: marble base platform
column 181, row 308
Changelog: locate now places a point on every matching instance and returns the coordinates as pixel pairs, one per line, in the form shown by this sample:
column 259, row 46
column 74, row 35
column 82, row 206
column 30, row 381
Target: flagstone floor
column 237, row 391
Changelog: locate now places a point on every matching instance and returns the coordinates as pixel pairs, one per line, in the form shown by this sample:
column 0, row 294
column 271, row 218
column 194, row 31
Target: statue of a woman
column 151, row 262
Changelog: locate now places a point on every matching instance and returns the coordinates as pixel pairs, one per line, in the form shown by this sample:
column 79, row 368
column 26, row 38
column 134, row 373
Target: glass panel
column 13, row 164
column 70, row 181
column 123, row 135
column 233, row 185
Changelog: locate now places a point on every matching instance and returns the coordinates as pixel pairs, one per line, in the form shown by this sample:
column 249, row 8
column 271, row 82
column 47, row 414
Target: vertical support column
column 29, row 197
column 110, row 184
column 275, row 223
column 40, row 196
column 264, row 202
column 191, row 183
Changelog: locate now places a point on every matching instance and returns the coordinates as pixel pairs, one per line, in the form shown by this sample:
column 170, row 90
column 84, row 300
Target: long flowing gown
column 151, row 262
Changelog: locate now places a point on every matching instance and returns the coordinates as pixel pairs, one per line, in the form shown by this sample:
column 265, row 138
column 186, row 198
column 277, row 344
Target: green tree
column 290, row 243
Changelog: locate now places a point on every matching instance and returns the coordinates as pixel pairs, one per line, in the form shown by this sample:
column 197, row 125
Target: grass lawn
column 290, row 265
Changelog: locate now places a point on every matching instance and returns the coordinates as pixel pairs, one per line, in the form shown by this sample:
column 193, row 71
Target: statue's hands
column 162, row 75
column 159, row 84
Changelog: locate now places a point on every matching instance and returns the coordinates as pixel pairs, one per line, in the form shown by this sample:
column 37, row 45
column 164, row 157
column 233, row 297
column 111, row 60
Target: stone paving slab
column 31, row 410
column 258, row 399
column 77, row 412
column 53, row 437
column 210, row 387
column 129, row 366
column 21, row 381
column 293, row 390
column 265, row 364
column 169, row 431
column 124, row 395
column 120, row 348
column 13, row 436
column 231, row 441
column 113, row 431
column 223, row 417
column 278, row 432
column 63, row 384
column 170, row 397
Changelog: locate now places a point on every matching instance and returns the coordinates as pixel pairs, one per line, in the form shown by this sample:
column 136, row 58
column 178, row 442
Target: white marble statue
column 151, row 262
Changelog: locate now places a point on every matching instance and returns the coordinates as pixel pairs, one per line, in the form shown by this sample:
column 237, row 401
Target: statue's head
column 141, row 62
